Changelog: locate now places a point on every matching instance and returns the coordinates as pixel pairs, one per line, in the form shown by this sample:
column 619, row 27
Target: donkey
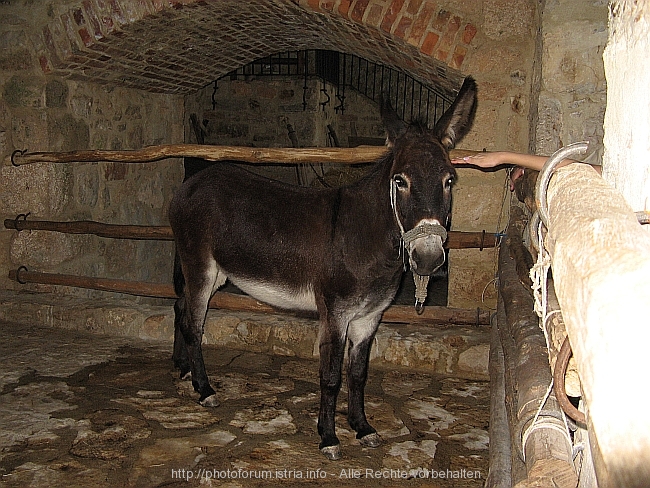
column 338, row 252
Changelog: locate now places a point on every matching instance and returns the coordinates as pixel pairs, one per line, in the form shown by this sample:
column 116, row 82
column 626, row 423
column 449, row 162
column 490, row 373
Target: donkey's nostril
column 425, row 263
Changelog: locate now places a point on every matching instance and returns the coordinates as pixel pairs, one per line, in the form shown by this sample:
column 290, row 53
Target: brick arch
column 179, row 46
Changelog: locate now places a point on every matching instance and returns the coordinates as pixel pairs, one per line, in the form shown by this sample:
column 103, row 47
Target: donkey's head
column 422, row 175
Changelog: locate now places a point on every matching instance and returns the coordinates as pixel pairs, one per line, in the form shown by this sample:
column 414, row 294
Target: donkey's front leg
column 332, row 348
column 361, row 333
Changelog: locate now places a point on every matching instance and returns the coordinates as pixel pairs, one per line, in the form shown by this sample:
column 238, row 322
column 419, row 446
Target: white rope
column 421, row 291
column 539, row 277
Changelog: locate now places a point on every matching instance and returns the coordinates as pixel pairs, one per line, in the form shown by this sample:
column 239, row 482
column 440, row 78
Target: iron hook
column 545, row 174
column 13, row 156
column 18, row 218
column 21, row 268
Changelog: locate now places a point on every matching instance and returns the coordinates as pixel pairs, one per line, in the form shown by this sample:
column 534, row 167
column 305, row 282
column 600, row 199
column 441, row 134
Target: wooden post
column 601, row 274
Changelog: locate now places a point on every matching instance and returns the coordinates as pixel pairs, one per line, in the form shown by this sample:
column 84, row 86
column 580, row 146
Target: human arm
column 499, row 158
column 487, row 160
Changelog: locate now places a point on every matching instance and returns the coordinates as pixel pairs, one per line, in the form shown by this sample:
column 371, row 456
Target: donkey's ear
column 457, row 120
column 392, row 123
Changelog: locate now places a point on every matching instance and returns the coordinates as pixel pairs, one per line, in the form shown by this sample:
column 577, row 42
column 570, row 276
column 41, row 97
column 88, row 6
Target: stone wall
column 43, row 112
column 573, row 90
column 79, row 74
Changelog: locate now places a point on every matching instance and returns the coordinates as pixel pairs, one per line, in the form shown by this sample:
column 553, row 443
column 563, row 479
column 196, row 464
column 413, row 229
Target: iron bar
column 412, row 95
column 374, row 81
column 428, row 97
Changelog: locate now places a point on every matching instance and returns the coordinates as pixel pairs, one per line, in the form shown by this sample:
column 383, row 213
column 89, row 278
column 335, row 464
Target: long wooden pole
column 252, row 155
column 545, row 445
column 500, row 471
column 455, row 239
column 601, row 274
column 230, row 301
column 116, row 231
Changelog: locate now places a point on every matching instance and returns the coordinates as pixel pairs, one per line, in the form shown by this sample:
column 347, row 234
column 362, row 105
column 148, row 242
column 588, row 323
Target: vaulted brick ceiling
column 179, row 46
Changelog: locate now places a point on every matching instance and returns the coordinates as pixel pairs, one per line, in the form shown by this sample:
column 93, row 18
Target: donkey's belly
column 277, row 295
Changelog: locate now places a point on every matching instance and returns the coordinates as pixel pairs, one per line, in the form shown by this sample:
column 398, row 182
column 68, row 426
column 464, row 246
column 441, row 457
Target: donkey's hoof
column 332, row 452
column 210, row 401
column 371, row 440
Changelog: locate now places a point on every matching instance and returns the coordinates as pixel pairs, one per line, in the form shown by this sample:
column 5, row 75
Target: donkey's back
column 271, row 239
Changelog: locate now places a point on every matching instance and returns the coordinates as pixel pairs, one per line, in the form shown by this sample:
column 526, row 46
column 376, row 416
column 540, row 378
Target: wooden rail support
column 543, row 446
column 115, row 231
column 455, row 239
column 398, row 314
column 251, row 155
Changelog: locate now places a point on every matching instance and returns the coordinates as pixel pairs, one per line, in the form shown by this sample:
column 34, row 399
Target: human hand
column 482, row 159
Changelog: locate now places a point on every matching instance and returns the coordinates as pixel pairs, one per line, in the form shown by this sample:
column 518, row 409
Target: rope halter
column 422, row 230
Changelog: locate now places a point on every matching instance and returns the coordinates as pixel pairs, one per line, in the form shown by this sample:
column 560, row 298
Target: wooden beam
column 500, row 471
column 517, row 249
column 251, row 155
column 116, row 231
column 455, row 239
column 601, row 274
column 229, row 301
column 547, row 450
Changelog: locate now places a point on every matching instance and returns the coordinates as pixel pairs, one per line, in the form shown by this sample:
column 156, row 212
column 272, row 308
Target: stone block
column 470, row 273
column 56, row 94
column 44, row 250
column 23, row 91
column 158, row 326
column 504, row 19
column 67, row 133
column 477, row 200
column 40, row 189
column 15, row 54
column 475, row 360
column 573, row 57
column 86, row 185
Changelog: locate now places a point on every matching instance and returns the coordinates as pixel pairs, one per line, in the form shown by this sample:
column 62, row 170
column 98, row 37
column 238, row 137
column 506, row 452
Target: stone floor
column 84, row 409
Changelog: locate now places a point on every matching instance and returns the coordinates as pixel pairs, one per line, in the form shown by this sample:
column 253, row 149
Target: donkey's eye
column 448, row 182
column 400, row 182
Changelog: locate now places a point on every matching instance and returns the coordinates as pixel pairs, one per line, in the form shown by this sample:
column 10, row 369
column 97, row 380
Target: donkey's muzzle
column 425, row 247
column 427, row 255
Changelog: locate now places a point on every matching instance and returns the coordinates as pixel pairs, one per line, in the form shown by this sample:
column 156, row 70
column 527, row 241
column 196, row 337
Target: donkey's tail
column 179, row 279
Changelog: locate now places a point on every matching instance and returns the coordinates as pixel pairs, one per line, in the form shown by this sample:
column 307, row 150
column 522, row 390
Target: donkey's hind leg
column 202, row 278
column 180, row 357
column 361, row 333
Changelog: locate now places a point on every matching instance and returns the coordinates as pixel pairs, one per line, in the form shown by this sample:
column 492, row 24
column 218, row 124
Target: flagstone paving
column 83, row 409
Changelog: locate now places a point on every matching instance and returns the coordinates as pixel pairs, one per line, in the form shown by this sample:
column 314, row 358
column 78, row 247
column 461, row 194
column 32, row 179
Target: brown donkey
column 338, row 252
